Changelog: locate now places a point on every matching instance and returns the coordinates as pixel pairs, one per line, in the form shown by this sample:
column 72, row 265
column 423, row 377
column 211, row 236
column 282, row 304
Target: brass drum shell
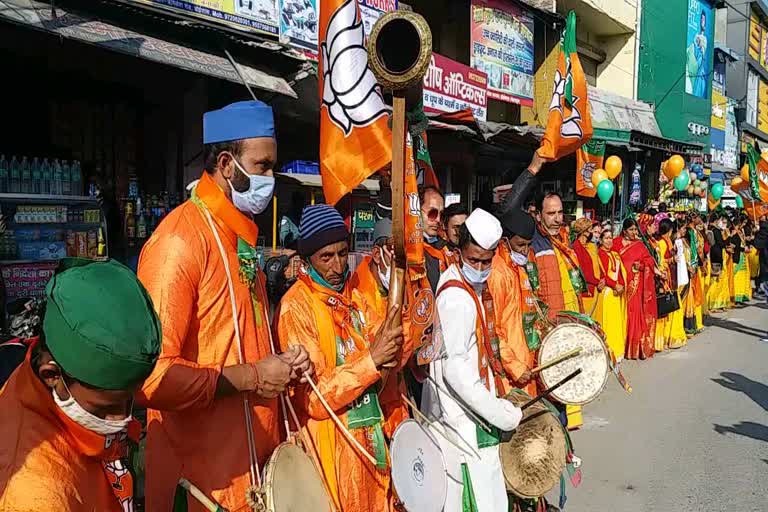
column 415, row 74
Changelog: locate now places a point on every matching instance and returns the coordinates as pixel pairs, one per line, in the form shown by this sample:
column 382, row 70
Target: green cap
column 100, row 325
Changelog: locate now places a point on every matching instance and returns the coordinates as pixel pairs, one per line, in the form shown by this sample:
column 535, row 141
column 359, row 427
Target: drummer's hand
column 388, row 340
column 525, row 378
column 298, row 357
column 273, row 375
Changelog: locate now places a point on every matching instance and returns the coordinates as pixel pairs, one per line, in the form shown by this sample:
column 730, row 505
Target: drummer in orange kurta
column 321, row 313
column 370, row 285
column 511, row 288
column 196, row 417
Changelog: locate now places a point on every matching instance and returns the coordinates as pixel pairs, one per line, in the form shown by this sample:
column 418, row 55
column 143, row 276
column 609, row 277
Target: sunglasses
column 434, row 214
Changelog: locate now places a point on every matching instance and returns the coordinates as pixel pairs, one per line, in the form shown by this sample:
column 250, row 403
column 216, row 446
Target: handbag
column 666, row 300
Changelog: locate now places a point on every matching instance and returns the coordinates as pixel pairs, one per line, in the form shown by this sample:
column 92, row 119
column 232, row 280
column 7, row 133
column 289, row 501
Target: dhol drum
column 534, row 457
column 418, row 468
column 290, row 483
column 594, row 360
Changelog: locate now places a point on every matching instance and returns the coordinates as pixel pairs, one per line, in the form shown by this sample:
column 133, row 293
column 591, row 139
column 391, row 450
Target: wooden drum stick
column 559, row 359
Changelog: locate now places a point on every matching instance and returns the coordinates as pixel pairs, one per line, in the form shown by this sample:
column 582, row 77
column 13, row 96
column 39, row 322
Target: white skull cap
column 485, row 228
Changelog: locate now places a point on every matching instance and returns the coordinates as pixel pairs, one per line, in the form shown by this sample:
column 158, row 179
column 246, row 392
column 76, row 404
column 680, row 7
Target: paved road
column 693, row 436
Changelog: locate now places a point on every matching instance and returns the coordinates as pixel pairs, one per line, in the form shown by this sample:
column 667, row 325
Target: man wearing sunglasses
column 438, row 256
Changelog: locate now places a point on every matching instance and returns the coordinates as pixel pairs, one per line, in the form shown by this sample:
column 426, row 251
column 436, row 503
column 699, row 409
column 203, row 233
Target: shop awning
column 64, row 23
column 315, row 180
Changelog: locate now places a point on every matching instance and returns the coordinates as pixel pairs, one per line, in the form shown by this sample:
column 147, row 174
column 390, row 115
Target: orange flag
column 569, row 124
column 355, row 139
column 589, row 158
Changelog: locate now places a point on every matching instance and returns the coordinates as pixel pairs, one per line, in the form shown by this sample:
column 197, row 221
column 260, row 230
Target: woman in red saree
column 640, row 292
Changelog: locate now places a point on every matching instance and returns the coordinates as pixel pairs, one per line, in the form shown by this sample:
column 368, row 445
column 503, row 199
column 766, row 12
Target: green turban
column 100, row 325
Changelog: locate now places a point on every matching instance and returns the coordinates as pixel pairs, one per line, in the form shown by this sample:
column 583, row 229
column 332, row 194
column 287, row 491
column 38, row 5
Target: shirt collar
column 230, row 219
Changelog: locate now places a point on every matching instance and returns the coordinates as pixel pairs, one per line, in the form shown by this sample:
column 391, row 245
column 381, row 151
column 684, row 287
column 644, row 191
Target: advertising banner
column 372, row 10
column 249, row 15
column 501, row 46
column 450, row 86
column 298, row 23
column 699, row 48
column 27, row 279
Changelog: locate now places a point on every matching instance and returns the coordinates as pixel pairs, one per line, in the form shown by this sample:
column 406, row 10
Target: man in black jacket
column 761, row 244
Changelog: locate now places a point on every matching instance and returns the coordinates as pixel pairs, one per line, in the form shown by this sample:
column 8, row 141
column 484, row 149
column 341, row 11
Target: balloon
column 739, row 202
column 696, row 190
column 675, row 166
column 598, row 176
column 703, row 193
column 613, row 166
column 693, row 176
column 605, row 191
column 689, row 189
column 704, row 184
column 697, row 183
column 717, row 191
column 681, row 181
column 745, row 173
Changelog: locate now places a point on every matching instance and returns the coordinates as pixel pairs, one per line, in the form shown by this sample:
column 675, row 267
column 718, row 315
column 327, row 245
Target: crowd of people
column 194, row 340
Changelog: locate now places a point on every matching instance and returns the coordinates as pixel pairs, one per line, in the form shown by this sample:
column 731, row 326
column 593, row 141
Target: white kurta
column 458, row 373
column 682, row 266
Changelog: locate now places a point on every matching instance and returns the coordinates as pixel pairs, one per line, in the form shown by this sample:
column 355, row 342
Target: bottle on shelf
column 133, row 187
column 3, row 174
column 26, row 176
column 56, row 178
column 130, row 223
column 45, row 177
column 76, row 177
column 66, row 184
column 36, row 185
column 15, row 174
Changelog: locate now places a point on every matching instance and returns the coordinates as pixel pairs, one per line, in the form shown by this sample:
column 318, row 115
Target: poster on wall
column 699, row 49
column 501, row 46
column 298, row 23
column 762, row 106
column 259, row 15
column 450, row 86
column 372, row 10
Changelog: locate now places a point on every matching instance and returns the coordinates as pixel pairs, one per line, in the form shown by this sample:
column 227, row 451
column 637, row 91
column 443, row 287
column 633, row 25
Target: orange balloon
column 745, row 172
column 598, row 176
column 675, row 166
column 613, row 166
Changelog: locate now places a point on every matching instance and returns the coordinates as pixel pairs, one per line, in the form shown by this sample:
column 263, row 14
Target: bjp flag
column 569, row 124
column 589, row 158
column 355, row 139
column 758, row 174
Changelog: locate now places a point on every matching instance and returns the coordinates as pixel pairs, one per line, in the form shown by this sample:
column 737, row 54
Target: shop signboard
column 755, row 37
column 699, row 48
column 501, row 46
column 613, row 112
column 27, row 279
column 372, row 10
column 762, row 106
column 248, row 15
column 719, row 103
column 299, row 23
column 450, row 86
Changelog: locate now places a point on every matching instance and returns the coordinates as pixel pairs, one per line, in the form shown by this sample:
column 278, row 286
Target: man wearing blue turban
column 201, row 270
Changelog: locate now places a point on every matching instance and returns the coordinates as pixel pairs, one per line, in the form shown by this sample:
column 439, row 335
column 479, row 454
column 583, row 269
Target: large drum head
column 292, row 484
column 534, row 458
column 593, row 361
column 418, row 469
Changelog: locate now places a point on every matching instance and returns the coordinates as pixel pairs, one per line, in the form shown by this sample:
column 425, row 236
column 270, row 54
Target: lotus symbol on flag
column 571, row 126
column 350, row 91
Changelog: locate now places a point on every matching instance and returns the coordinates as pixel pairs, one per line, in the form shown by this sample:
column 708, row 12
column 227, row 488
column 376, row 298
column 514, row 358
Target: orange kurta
column 44, row 466
column 191, row 433
column 366, row 291
column 305, row 319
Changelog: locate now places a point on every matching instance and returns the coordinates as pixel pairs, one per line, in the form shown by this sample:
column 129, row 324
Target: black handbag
column 666, row 303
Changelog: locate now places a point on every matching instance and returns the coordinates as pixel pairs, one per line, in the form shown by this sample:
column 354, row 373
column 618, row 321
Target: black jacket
column 521, row 189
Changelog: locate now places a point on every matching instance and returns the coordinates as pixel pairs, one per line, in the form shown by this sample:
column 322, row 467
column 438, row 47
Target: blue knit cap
column 320, row 225
column 238, row 121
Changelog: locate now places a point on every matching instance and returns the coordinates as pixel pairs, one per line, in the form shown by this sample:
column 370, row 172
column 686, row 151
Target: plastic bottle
column 66, row 184
column 3, row 174
column 76, row 177
column 26, row 177
column 56, row 179
column 45, row 177
column 36, row 185
column 15, row 174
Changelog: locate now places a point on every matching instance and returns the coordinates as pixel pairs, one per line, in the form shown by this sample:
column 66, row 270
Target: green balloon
column 739, row 202
column 605, row 191
column 681, row 182
column 717, row 191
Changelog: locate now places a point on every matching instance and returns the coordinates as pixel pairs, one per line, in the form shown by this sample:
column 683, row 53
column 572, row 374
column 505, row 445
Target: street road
column 692, row 436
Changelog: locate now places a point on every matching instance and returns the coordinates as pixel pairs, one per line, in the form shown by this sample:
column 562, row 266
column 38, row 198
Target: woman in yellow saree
column 612, row 300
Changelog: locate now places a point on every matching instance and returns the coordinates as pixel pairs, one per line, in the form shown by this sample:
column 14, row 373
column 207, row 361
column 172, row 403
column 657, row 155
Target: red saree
column 641, row 298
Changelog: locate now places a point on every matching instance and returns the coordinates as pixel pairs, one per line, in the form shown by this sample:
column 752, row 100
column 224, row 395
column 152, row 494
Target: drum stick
column 426, row 420
column 546, row 392
column 559, row 359
column 466, row 409
column 338, row 422
column 196, row 493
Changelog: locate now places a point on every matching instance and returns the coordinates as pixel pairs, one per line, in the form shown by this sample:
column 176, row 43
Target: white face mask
column 259, row 193
column 519, row 259
column 85, row 419
column 474, row 276
column 384, row 276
